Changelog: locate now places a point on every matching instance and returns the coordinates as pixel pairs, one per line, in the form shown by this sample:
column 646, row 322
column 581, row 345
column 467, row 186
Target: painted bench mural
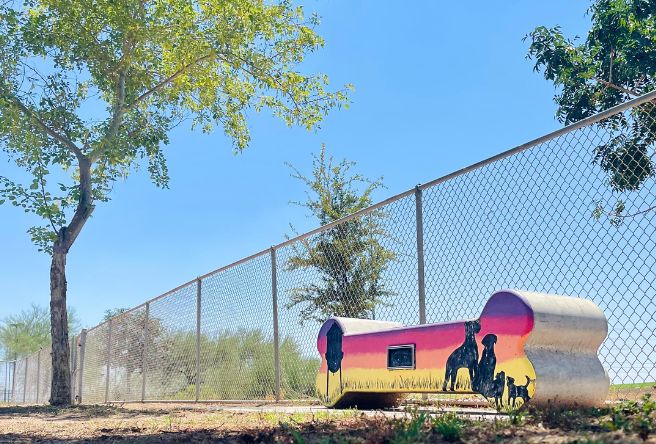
column 524, row 347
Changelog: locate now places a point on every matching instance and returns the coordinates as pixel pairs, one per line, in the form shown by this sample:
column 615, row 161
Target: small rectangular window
column 401, row 357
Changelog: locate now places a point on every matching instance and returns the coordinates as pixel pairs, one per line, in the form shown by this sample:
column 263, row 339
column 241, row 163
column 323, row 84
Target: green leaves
column 349, row 257
column 107, row 80
column 37, row 200
column 28, row 331
column 634, row 417
column 626, row 160
column 615, row 63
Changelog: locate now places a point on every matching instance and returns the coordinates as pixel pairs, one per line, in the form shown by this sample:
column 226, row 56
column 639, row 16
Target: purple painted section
column 505, row 313
column 506, row 304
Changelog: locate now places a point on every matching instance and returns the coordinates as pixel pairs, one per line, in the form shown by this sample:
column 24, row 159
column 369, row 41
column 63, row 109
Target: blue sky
column 438, row 86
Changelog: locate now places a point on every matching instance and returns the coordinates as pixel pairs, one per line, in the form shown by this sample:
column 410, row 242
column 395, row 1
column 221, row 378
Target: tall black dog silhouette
column 465, row 356
column 518, row 391
column 484, row 379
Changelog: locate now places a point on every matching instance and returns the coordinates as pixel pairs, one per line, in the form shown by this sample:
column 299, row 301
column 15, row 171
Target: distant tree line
column 29, row 331
column 236, row 364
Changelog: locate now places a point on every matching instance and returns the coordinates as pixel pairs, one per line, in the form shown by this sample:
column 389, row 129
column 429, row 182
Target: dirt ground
column 167, row 423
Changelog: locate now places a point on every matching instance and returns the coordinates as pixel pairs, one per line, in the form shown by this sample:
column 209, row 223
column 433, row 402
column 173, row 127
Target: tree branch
column 616, row 87
column 251, row 70
column 46, row 129
column 21, row 191
column 120, row 108
column 45, row 197
column 117, row 118
column 32, row 198
column 616, row 215
column 162, row 84
column 66, row 236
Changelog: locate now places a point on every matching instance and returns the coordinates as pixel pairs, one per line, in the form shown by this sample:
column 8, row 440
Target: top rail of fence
column 651, row 96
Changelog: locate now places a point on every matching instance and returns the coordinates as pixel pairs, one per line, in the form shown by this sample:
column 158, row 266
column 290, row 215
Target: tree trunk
column 61, row 373
column 60, row 388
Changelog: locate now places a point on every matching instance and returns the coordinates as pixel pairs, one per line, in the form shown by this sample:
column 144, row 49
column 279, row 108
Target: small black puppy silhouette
column 465, row 356
column 499, row 386
column 484, row 380
column 518, row 391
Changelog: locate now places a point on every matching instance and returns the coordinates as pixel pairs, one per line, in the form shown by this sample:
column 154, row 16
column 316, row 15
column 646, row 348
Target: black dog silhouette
column 498, row 387
column 518, row 391
column 465, row 356
column 484, row 379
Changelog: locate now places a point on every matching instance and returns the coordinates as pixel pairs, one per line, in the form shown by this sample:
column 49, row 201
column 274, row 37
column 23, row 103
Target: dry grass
column 632, row 391
column 150, row 423
column 428, row 385
column 166, row 423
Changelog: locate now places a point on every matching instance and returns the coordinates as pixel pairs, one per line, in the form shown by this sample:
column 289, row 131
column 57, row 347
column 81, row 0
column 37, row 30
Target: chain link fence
column 6, row 381
column 570, row 213
column 27, row 380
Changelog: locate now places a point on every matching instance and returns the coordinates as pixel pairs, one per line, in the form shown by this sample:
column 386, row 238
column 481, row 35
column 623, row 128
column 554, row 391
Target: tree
column 234, row 365
column 89, row 91
column 175, row 357
column 29, row 331
column 113, row 312
column 616, row 62
column 130, row 341
column 349, row 257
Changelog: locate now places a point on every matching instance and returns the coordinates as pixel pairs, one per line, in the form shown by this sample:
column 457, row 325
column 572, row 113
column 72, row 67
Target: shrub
column 449, row 425
column 635, row 417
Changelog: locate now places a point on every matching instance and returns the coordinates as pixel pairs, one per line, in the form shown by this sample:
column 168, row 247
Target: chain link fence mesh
column 126, row 356
column 44, row 374
column 236, row 333
column 6, row 381
column 31, row 379
column 571, row 213
column 94, row 365
column 170, row 363
column 19, row 381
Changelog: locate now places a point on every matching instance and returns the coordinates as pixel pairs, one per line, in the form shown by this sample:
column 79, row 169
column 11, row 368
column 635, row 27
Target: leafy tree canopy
column 350, row 258
column 235, row 365
column 615, row 63
column 89, row 91
column 29, row 331
column 113, row 312
column 101, row 83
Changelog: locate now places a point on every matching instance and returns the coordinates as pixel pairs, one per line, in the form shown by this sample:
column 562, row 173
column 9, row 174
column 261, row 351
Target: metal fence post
column 144, row 353
column 13, row 382
column 109, row 359
column 420, row 254
column 38, row 374
column 27, row 364
column 73, row 366
column 199, row 287
column 8, row 386
column 82, row 344
column 6, row 394
column 276, row 333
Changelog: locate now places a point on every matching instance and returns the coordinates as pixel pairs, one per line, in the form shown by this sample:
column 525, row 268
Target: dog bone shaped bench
column 525, row 346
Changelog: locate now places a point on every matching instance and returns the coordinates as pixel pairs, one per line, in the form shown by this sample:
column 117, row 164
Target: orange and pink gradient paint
column 364, row 365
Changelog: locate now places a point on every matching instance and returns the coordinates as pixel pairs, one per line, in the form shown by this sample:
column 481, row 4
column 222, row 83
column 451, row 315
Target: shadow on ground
column 79, row 412
column 628, row 422
column 282, row 433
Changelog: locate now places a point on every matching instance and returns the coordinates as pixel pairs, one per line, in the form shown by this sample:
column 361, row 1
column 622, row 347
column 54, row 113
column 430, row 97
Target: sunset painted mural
column 484, row 355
